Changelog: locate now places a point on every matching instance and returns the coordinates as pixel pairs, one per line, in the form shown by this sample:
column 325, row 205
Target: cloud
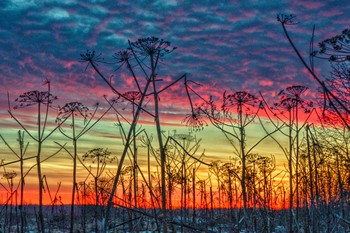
column 266, row 83
column 57, row 14
column 228, row 46
column 19, row 5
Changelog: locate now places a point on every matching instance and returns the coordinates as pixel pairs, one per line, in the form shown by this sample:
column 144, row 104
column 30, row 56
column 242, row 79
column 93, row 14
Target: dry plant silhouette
column 149, row 178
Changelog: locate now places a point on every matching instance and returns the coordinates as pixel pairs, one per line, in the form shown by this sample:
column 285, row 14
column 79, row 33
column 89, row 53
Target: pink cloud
column 266, row 83
column 331, row 13
column 69, row 64
column 310, row 5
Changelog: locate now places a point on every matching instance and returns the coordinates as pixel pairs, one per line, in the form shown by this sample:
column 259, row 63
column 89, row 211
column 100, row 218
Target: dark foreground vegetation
column 163, row 181
column 201, row 220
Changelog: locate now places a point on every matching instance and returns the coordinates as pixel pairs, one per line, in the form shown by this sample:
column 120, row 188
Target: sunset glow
column 175, row 113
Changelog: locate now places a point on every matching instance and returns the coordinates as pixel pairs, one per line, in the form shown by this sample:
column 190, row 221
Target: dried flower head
column 195, row 120
column 9, row 175
column 291, row 98
column 33, row 98
column 152, row 46
column 337, row 48
column 115, row 99
column 72, row 108
column 262, row 162
column 287, row 19
column 98, row 154
column 91, row 57
column 239, row 99
column 184, row 137
column 133, row 95
column 123, row 56
column 228, row 169
column 127, row 170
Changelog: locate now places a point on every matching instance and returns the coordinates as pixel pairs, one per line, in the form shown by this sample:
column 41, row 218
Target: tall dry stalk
column 39, row 99
column 99, row 157
column 20, row 155
column 289, row 106
column 149, row 49
column 338, row 106
column 72, row 110
column 232, row 116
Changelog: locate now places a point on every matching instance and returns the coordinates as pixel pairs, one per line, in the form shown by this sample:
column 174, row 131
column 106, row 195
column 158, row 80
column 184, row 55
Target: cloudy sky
column 223, row 45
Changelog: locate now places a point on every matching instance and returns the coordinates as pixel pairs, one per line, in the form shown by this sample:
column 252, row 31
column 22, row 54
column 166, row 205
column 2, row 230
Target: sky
column 223, row 45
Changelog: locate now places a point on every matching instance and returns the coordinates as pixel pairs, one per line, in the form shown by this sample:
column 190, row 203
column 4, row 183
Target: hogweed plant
column 146, row 54
column 70, row 114
column 245, row 108
column 135, row 96
column 72, row 110
column 11, row 197
column 247, row 191
column 290, row 103
column 20, row 155
column 195, row 120
column 98, row 159
column 42, row 100
column 182, row 164
column 232, row 115
column 153, row 48
column 335, row 49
